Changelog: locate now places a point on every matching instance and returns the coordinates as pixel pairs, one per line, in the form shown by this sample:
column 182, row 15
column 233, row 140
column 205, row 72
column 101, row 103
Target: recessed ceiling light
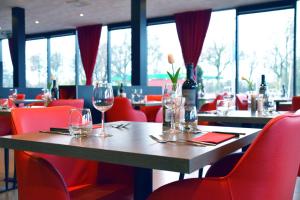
column 81, row 14
column 37, row 22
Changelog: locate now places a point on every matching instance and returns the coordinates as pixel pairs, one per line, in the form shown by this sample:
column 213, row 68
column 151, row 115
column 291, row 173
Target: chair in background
column 151, row 111
column 122, row 110
column 241, row 102
column 76, row 103
column 211, row 105
column 43, row 176
column 295, row 103
column 5, row 129
column 159, row 115
column 261, row 173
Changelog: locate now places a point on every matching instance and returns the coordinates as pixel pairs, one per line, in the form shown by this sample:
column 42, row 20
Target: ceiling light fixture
column 81, row 14
column 37, row 22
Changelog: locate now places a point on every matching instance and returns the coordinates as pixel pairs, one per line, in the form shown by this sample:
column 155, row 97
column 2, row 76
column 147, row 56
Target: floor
column 159, row 178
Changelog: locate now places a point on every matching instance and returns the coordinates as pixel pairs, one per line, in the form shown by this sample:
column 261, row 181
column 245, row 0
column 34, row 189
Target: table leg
column 142, row 183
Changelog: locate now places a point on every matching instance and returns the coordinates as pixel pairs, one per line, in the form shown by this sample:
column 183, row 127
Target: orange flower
column 171, row 58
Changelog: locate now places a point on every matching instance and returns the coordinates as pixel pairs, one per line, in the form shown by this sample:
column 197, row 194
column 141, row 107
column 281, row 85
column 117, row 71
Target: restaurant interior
column 160, row 99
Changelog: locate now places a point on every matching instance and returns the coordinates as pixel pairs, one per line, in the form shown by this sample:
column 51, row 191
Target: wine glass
column 103, row 99
column 172, row 100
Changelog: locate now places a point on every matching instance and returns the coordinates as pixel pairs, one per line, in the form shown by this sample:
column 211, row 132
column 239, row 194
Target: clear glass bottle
column 189, row 91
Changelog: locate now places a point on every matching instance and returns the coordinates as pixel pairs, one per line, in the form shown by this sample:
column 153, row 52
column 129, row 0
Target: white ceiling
column 64, row 14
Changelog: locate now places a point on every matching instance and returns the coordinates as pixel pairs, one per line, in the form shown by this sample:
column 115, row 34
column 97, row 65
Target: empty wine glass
column 103, row 99
column 172, row 100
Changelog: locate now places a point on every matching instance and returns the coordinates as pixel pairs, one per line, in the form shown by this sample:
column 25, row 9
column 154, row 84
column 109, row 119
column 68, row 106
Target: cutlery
column 222, row 132
column 176, row 141
column 120, row 125
column 56, row 132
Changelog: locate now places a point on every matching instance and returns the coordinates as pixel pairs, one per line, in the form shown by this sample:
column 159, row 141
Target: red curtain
column 191, row 30
column 88, row 40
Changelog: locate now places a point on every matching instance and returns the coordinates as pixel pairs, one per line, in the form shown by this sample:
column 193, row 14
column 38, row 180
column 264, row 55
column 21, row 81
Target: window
column 36, row 63
column 7, row 65
column 100, row 72
column 163, row 40
column 62, row 59
column 217, row 59
column 266, row 47
column 298, row 51
column 121, row 56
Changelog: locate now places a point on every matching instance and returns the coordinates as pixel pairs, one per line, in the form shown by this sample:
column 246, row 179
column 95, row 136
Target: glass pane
column 100, row 73
column 217, row 59
column 163, row 40
column 266, row 47
column 298, row 50
column 36, row 63
column 121, row 56
column 62, row 61
column 7, row 65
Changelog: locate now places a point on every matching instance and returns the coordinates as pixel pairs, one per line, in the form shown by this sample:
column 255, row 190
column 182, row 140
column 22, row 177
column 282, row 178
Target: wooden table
column 238, row 117
column 132, row 146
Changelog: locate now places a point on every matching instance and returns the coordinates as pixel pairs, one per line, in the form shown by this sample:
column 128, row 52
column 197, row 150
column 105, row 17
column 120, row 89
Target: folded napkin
column 214, row 138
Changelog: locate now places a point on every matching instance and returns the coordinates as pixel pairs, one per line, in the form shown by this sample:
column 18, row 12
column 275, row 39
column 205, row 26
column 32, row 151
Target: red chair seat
column 241, row 102
column 76, row 103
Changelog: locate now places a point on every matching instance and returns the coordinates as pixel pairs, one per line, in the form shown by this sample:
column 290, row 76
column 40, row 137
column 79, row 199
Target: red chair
column 20, row 96
column 295, row 103
column 211, row 105
column 241, row 102
column 267, row 170
column 5, row 129
column 122, row 110
column 43, row 176
column 159, row 115
column 151, row 111
column 77, row 103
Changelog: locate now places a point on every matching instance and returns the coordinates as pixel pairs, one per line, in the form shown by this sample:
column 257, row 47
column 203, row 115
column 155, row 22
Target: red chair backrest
column 20, row 96
column 159, row 115
column 268, row 169
column 76, row 103
column 153, row 97
column 29, row 120
column 211, row 105
column 295, row 103
column 241, row 102
column 122, row 110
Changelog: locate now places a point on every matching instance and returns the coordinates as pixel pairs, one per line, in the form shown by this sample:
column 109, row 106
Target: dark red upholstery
column 211, row 105
column 20, row 96
column 66, row 177
column 295, row 103
column 241, row 102
column 151, row 111
column 122, row 110
column 159, row 115
column 77, row 103
column 267, row 170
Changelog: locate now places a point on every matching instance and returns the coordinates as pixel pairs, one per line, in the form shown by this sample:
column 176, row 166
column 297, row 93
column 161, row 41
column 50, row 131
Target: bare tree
column 216, row 56
column 55, row 62
column 35, row 65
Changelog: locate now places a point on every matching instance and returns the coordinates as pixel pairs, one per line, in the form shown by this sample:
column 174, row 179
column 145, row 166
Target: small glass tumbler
column 80, row 122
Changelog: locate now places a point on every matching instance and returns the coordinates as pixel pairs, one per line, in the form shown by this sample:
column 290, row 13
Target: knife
column 55, row 132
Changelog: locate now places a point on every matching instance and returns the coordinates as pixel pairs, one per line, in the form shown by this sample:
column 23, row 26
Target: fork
column 175, row 141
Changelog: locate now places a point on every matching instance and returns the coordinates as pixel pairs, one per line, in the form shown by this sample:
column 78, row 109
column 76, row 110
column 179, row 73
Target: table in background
column 146, row 103
column 284, row 102
column 133, row 147
column 238, row 117
column 27, row 101
column 5, row 112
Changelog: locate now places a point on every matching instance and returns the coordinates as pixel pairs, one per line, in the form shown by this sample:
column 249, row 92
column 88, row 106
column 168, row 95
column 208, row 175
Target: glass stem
column 102, row 121
column 173, row 119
